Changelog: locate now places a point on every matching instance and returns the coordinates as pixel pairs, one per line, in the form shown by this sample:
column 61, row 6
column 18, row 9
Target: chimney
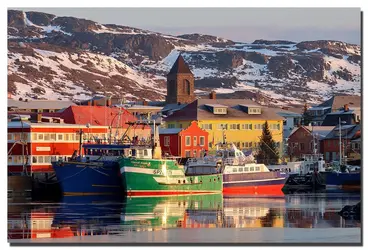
column 213, row 95
column 346, row 107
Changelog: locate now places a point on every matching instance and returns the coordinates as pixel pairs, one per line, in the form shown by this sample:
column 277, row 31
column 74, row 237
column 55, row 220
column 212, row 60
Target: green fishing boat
column 145, row 173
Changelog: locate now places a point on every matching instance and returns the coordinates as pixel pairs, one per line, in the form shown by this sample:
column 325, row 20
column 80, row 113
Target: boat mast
column 80, row 132
column 156, row 142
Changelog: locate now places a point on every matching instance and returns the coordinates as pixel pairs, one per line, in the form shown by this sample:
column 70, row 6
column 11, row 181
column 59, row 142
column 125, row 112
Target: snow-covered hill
column 68, row 58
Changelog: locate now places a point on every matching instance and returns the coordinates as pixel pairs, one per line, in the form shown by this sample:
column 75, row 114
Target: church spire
column 180, row 67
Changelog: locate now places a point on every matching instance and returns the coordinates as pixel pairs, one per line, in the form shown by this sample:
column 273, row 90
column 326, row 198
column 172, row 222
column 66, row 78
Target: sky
column 237, row 24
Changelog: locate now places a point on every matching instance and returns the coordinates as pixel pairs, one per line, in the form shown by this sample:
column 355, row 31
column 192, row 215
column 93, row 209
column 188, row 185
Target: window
column 10, row 159
column 222, row 126
column 258, row 168
column 40, row 159
column 247, row 126
column 235, row 170
column 34, row 137
column 72, row 137
column 66, row 137
column 187, row 140
column 251, row 168
column 246, row 169
column 194, row 140
column 47, row 159
column 258, row 126
column 240, row 169
column 194, row 153
column 187, row 153
column 34, row 159
column 186, row 87
column 47, row 137
column 171, row 126
column 285, row 122
column 16, row 136
column 207, row 126
column 77, row 137
column 167, row 141
column 145, row 152
column 234, row 126
column 10, row 136
column 301, row 146
column 201, row 140
column 40, row 137
column 53, row 137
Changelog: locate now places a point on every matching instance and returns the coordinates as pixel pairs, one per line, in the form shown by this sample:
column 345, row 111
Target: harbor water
column 294, row 218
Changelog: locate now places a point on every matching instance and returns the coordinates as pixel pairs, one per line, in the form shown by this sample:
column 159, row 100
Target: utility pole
column 340, row 139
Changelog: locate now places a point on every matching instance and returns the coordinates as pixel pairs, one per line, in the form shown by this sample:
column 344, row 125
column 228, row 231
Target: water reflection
column 79, row 216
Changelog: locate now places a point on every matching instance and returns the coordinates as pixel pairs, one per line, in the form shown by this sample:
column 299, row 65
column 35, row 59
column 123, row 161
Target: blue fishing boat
column 94, row 173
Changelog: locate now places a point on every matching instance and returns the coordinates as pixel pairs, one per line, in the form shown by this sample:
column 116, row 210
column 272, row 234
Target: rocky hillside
column 69, row 58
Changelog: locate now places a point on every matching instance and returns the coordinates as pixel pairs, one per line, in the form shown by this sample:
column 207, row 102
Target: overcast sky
column 238, row 24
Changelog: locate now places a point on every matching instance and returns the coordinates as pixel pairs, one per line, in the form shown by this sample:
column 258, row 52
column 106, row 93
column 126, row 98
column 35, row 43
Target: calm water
column 296, row 218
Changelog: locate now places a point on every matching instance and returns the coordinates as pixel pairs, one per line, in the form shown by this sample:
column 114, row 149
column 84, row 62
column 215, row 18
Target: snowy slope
column 45, row 61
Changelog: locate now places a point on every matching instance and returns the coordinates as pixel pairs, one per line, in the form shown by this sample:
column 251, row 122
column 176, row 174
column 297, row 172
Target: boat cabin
column 311, row 163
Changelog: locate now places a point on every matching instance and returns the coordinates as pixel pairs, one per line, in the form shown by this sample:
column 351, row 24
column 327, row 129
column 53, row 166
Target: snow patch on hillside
column 47, row 29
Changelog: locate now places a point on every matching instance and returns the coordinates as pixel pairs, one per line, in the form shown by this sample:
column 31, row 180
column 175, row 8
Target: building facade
column 306, row 140
column 237, row 121
column 331, row 145
column 45, row 141
column 189, row 142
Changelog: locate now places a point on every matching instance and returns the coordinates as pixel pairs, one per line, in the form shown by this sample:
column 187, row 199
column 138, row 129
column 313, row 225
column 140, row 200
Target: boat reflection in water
column 79, row 216
column 207, row 211
column 156, row 213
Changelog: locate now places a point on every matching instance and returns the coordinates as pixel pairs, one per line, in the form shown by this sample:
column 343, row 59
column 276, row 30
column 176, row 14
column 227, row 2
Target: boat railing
column 204, row 160
column 312, row 157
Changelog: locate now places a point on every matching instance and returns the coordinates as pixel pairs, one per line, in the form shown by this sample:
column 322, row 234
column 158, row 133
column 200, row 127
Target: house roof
column 27, row 124
column 197, row 110
column 321, row 131
column 352, row 132
column 169, row 131
column 332, row 119
column 180, row 66
column 286, row 113
column 319, row 108
column 173, row 107
column 339, row 101
column 96, row 115
column 39, row 104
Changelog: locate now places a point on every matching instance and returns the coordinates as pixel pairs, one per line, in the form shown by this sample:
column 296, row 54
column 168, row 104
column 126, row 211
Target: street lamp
column 340, row 138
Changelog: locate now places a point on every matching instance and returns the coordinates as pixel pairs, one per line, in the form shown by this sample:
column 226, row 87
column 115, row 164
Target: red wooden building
column 189, row 142
column 43, row 141
column 300, row 141
column 331, row 149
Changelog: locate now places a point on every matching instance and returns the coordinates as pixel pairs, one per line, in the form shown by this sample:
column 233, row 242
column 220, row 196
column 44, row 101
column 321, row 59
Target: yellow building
column 239, row 121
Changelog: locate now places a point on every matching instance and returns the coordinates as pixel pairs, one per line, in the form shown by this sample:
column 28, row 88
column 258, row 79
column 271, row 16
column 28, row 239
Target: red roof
column 97, row 115
column 94, row 115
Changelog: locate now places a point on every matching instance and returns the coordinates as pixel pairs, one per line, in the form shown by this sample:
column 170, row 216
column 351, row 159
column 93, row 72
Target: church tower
column 180, row 83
